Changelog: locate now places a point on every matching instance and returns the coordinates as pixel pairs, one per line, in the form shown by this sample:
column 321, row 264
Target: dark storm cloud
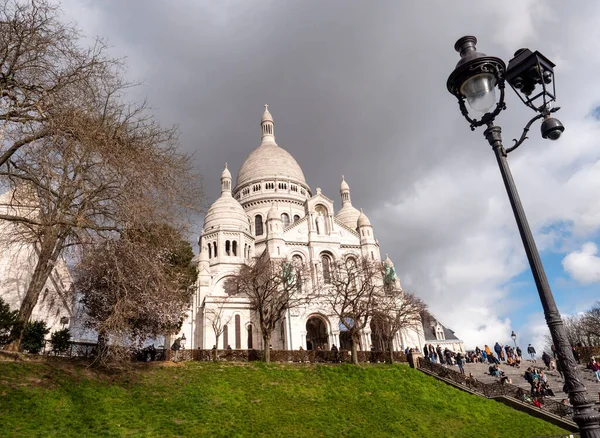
column 358, row 88
column 355, row 88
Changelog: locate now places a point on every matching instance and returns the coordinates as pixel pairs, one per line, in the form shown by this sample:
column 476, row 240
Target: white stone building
column 271, row 207
column 18, row 259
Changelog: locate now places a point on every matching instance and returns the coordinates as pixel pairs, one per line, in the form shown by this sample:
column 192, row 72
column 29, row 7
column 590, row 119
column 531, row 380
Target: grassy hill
column 206, row 399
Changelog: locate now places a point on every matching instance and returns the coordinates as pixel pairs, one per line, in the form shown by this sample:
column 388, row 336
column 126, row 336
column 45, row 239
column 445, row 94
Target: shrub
column 9, row 324
column 33, row 336
column 60, row 340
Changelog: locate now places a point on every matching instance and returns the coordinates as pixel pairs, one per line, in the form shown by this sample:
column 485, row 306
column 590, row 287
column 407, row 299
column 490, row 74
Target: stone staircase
column 480, row 372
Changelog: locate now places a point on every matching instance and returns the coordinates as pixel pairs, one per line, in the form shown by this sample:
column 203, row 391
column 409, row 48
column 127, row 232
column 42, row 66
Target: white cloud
column 583, row 265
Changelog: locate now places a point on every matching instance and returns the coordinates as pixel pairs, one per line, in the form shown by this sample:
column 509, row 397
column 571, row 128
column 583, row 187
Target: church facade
column 272, row 208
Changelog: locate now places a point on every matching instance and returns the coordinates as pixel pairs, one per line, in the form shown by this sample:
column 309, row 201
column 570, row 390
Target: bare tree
column 590, row 322
column 272, row 287
column 136, row 287
column 351, row 290
column 397, row 311
column 101, row 166
column 218, row 319
column 42, row 70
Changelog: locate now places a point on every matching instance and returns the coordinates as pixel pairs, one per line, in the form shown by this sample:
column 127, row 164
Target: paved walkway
column 480, row 370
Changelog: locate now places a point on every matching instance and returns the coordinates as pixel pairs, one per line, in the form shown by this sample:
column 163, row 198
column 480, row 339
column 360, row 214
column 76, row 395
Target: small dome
column 388, row 262
column 348, row 215
column 344, row 186
column 226, row 212
column 226, row 173
column 363, row 220
column 273, row 212
column 266, row 117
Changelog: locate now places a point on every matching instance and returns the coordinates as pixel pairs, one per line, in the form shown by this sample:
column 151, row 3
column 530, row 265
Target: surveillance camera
column 552, row 128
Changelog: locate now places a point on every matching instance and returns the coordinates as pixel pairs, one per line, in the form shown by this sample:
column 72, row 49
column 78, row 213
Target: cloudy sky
column 359, row 88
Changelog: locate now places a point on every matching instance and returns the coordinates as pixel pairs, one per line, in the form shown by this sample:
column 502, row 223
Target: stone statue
column 320, row 221
column 390, row 275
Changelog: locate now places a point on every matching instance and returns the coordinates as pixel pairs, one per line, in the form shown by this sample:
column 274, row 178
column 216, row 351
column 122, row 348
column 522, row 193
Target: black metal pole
column 584, row 414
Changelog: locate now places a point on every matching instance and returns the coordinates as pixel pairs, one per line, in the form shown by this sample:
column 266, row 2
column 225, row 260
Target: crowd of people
column 512, row 356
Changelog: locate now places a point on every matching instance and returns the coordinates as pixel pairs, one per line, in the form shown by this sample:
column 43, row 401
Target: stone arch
column 318, row 330
column 258, row 225
column 326, row 265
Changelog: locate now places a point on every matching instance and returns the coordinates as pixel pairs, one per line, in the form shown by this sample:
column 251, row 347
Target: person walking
column 440, row 355
column 596, row 368
column 498, row 350
column 459, row 362
column 432, row 353
column 531, row 352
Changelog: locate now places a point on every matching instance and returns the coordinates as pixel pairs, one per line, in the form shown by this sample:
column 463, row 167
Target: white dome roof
column 344, row 185
column 269, row 161
column 348, row 215
column 363, row 220
column 226, row 173
column 226, row 212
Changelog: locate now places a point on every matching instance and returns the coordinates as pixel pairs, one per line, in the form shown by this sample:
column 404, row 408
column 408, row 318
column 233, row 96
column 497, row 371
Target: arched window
column 214, row 249
column 227, row 247
column 297, row 263
column 351, row 270
column 296, row 218
column 258, row 225
column 249, row 336
column 234, row 247
column 238, row 334
column 285, row 218
column 326, row 262
column 210, row 251
column 225, row 337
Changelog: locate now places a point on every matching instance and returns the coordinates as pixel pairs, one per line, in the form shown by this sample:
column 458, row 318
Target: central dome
column 269, row 161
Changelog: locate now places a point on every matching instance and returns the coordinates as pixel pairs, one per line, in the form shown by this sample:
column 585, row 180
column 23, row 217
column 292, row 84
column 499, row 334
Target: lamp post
column 183, row 341
column 530, row 74
column 513, row 335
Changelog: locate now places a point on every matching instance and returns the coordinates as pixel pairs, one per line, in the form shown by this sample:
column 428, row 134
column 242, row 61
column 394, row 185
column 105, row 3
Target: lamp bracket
column 524, row 137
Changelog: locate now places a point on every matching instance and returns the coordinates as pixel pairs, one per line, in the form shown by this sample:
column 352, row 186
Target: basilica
column 272, row 208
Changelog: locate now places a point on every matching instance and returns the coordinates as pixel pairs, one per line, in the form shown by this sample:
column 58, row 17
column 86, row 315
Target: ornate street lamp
column 530, row 74
column 513, row 335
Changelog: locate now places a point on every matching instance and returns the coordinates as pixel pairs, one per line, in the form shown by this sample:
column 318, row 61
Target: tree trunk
column 355, row 341
column 50, row 249
column 267, row 348
column 216, row 348
column 391, row 348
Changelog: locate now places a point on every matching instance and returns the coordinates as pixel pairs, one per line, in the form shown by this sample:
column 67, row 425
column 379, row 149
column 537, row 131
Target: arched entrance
column 345, row 337
column 316, row 334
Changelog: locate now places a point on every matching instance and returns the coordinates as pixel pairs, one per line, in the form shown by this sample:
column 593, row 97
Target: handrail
column 491, row 390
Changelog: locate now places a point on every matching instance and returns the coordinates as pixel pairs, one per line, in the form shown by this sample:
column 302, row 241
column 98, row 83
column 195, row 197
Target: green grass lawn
column 206, row 399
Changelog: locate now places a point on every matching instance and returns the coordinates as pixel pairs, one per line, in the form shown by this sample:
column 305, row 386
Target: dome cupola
column 226, row 212
column 348, row 215
column 363, row 220
column 269, row 161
